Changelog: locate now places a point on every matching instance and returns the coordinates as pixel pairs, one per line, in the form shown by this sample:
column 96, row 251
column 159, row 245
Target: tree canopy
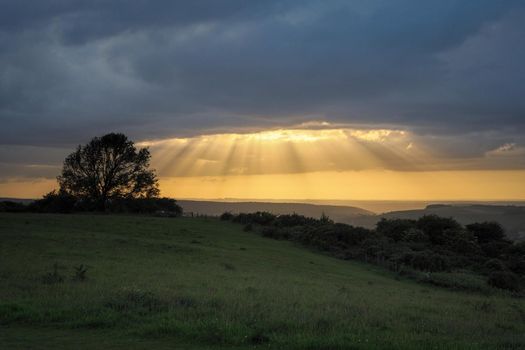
column 109, row 167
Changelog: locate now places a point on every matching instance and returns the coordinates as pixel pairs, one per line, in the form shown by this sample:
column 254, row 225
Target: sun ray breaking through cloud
column 316, row 162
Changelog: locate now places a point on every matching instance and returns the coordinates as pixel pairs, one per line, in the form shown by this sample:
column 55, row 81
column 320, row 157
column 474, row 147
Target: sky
column 375, row 99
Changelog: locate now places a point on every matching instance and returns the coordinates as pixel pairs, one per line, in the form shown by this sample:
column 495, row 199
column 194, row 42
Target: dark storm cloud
column 70, row 70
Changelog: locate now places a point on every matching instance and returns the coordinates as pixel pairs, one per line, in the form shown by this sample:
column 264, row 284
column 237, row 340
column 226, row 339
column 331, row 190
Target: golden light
column 296, row 135
column 326, row 163
column 283, row 151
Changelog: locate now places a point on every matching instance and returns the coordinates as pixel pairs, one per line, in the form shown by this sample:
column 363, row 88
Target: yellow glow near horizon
column 348, row 185
column 355, row 185
column 327, row 163
column 23, row 188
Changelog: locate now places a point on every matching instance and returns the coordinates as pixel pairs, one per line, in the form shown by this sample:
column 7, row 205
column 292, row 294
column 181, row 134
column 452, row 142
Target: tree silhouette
column 108, row 167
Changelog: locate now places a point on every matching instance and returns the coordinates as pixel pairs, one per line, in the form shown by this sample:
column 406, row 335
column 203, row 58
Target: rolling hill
column 201, row 283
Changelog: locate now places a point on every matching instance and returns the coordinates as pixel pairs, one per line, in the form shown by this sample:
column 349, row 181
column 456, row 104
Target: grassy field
column 159, row 283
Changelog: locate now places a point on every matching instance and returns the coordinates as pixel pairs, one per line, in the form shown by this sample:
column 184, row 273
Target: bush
column 495, row 249
column 259, row 218
column 165, row 206
column 291, row 220
column 415, row 235
column 396, row 229
column 494, row 265
column 226, row 216
column 439, row 230
column 339, row 236
column 62, row 202
column 12, row 207
column 504, row 280
column 486, row 232
column 464, row 245
column 429, row 261
column 270, row 232
column 54, row 202
column 516, row 264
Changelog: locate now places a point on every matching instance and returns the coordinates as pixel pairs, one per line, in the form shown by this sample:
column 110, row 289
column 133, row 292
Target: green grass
column 204, row 284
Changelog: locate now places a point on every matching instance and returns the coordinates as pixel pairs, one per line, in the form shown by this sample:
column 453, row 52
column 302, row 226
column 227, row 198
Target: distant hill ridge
column 337, row 213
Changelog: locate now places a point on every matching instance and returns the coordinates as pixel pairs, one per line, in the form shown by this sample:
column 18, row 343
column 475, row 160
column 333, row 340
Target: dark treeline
column 60, row 202
column 410, row 247
column 108, row 174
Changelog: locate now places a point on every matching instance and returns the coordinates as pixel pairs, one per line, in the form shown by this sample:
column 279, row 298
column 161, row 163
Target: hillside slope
column 201, row 283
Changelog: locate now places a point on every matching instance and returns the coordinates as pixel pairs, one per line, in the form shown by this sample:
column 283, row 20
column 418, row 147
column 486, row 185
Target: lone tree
column 108, row 167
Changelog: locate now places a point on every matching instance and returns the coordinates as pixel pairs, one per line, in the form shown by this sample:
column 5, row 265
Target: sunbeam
column 321, row 163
